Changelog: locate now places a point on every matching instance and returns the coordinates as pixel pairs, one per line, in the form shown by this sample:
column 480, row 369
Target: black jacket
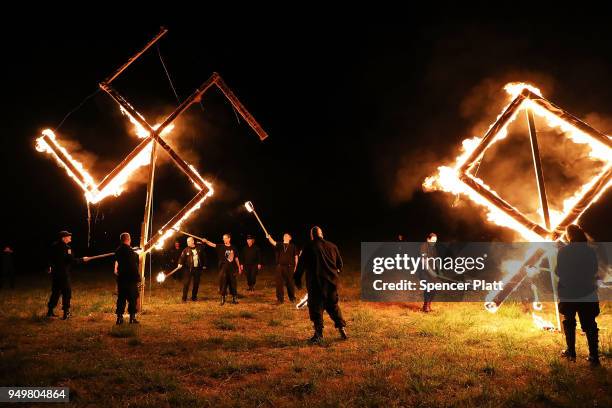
column 321, row 262
column 61, row 259
column 127, row 260
column 186, row 258
column 577, row 271
column 251, row 255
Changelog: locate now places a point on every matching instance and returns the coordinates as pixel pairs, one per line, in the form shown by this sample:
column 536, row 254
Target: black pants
column 60, row 286
column 284, row 278
column 324, row 297
column 227, row 278
column 251, row 274
column 587, row 312
column 127, row 293
column 193, row 274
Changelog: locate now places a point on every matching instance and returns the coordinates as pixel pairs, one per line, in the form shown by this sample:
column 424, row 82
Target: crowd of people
column 319, row 262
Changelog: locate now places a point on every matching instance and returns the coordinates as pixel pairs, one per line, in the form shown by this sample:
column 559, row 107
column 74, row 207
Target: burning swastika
column 461, row 179
column 152, row 136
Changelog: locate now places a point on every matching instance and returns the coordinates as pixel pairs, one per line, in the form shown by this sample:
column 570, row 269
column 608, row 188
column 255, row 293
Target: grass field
column 255, row 354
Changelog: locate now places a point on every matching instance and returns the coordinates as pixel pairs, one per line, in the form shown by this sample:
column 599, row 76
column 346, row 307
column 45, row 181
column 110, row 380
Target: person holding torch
column 228, row 265
column 194, row 259
column 128, row 278
column 60, row 264
column 286, row 261
column 321, row 262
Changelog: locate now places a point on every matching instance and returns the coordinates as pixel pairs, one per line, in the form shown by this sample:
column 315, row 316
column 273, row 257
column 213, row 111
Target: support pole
column 144, row 236
column 537, row 165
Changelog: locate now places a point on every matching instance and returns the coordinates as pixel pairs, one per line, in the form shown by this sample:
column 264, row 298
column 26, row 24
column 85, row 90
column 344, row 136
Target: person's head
column 250, row 240
column 227, row 239
column 286, row 238
column 65, row 237
column 316, row 233
column 575, row 234
column 190, row 242
column 177, row 245
column 400, row 237
column 125, row 238
column 432, row 237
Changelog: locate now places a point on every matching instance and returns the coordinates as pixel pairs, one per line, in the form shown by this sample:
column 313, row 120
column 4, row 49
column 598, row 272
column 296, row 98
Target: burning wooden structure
column 145, row 153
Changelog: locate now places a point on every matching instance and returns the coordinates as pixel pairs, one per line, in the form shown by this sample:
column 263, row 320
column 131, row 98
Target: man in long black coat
column 128, row 278
column 321, row 262
column 60, row 264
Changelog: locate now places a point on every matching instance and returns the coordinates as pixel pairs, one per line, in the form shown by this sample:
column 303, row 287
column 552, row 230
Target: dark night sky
column 346, row 110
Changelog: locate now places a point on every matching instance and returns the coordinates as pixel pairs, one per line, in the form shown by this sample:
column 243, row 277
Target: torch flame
column 161, row 277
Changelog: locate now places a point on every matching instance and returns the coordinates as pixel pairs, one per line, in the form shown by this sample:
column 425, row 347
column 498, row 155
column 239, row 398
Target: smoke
column 507, row 166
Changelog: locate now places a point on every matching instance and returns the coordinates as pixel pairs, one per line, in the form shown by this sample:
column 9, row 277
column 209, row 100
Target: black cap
column 63, row 234
column 249, row 236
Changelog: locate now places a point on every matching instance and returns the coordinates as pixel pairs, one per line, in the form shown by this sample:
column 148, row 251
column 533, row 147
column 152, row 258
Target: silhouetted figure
column 286, row 261
column 577, row 288
column 251, row 261
column 172, row 259
column 321, row 262
column 8, row 267
column 429, row 273
column 60, row 264
column 128, row 279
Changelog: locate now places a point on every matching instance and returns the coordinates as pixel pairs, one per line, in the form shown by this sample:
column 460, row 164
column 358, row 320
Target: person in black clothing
column 128, row 278
column 193, row 259
column 61, row 262
column 577, row 271
column 251, row 261
column 172, row 259
column 8, row 267
column 321, row 262
column 286, row 261
column 429, row 273
column 228, row 264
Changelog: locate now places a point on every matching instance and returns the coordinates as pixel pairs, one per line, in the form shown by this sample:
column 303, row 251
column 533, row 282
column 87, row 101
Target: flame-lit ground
column 254, row 353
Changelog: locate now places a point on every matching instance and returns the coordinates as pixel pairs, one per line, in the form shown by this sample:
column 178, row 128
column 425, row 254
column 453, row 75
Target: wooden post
column 537, row 165
column 144, row 235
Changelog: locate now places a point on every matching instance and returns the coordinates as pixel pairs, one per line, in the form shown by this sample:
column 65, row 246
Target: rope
column 76, row 108
column 161, row 59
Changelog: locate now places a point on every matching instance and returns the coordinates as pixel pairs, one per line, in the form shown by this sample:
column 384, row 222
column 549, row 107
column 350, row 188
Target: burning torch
column 161, row 277
column 250, row 208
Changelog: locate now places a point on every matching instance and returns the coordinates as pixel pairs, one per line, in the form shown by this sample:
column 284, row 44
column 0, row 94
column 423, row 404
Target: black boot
column 343, row 334
column 593, row 340
column 317, row 337
column 119, row 320
column 570, row 340
column 234, row 300
column 50, row 313
column 66, row 315
column 222, row 300
column 133, row 319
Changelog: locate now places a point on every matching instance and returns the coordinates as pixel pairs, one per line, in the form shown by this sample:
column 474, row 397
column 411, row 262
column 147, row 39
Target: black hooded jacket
column 321, row 262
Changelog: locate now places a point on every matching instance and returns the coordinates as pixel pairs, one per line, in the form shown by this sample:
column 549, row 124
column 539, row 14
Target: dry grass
column 255, row 354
